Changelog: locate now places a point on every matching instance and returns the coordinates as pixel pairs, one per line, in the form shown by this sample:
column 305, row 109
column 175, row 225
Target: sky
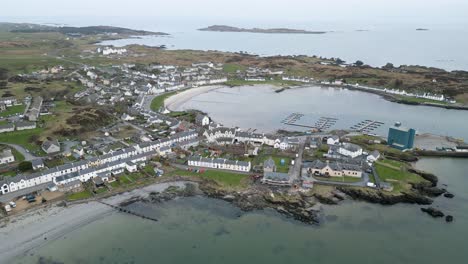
column 268, row 10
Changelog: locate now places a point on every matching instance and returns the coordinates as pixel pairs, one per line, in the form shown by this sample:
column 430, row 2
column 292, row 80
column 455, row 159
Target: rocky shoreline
column 302, row 206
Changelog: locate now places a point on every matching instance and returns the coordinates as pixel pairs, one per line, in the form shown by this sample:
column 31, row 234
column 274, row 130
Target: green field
column 225, row 178
column 158, row 101
column 101, row 190
column 400, row 178
column 281, row 168
column 233, row 68
column 13, row 110
column 80, row 195
column 22, row 138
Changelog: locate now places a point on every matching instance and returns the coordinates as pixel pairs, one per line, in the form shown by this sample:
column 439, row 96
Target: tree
column 25, row 166
column 398, row 83
column 359, row 63
column 388, row 66
column 3, row 74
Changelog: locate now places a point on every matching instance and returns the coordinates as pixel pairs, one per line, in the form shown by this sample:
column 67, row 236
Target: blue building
column 401, row 138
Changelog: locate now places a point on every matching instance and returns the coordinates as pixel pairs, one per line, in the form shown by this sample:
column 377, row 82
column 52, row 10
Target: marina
column 367, row 126
column 323, row 123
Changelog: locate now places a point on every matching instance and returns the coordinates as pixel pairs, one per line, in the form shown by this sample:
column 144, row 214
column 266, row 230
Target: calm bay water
column 241, row 107
column 202, row 230
column 374, row 42
column 375, row 47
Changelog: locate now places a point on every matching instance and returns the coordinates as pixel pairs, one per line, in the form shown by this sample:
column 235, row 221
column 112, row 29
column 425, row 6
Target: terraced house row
column 89, row 168
column 218, row 163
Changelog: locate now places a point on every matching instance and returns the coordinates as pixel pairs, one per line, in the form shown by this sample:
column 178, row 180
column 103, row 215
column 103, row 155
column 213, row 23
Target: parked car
column 12, row 204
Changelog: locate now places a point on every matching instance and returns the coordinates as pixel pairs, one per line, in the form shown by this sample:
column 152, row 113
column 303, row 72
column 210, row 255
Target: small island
column 84, row 31
column 422, row 29
column 223, row 28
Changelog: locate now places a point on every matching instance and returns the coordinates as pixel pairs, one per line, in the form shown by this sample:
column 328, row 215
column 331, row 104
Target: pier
column 367, row 126
column 123, row 210
column 292, row 118
column 324, row 123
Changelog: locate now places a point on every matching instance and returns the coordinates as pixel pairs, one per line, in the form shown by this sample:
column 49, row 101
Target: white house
column 333, row 140
column 131, row 167
column 286, row 143
column 7, row 128
column 222, row 164
column 126, row 117
column 25, row 125
column 202, row 120
column 220, row 133
column 373, row 156
column 6, row 156
column 350, row 150
column 51, row 146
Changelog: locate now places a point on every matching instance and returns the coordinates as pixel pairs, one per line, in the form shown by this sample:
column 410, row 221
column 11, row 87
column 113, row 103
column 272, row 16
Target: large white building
column 350, row 150
column 333, row 169
column 222, row 164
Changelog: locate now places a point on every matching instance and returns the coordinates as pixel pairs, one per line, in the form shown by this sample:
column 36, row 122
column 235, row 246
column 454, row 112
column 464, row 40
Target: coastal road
column 27, row 155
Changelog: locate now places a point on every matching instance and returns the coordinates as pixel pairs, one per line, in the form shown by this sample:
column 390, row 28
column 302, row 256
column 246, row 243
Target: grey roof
column 219, row 161
column 336, row 166
column 37, row 162
column 49, row 143
column 199, row 118
column 98, row 180
column 71, row 184
column 25, row 124
column 269, row 163
column 6, row 153
column 276, row 176
column 223, row 130
column 351, row 147
column 375, row 154
column 7, row 126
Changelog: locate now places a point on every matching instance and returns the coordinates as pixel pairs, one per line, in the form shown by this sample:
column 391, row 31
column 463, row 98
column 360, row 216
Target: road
column 295, row 170
column 27, row 155
column 147, row 102
column 10, row 196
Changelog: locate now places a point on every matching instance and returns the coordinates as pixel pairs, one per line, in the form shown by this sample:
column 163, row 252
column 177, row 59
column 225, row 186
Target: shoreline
column 34, row 229
column 174, row 102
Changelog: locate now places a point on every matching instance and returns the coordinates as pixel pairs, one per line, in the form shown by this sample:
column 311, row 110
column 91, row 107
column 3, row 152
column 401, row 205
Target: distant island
column 223, row 28
column 422, row 29
column 91, row 30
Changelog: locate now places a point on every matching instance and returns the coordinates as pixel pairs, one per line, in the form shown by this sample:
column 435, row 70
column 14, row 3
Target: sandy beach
column 23, row 233
column 174, row 102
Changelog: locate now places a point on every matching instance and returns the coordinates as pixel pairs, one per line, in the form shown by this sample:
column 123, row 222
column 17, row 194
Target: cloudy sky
column 272, row 10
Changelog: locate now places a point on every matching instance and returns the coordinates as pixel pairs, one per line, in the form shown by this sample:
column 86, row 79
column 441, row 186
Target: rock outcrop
column 382, row 197
column 433, row 212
